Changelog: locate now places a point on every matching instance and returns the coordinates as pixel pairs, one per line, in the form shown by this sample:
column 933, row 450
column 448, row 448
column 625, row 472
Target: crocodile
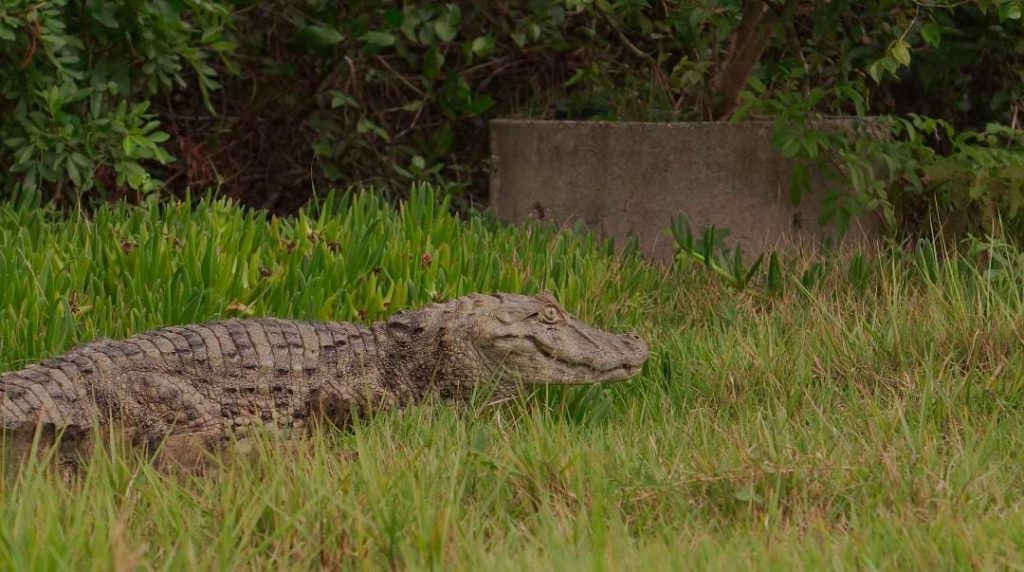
column 191, row 388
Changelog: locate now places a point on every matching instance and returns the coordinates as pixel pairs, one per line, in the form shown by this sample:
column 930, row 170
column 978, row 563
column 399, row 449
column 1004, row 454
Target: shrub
column 268, row 101
column 76, row 114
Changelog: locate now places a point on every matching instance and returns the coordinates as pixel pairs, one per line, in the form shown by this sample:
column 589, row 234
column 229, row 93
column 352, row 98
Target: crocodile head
column 531, row 340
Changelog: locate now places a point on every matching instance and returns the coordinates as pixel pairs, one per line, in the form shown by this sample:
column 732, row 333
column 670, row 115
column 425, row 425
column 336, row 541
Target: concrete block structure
column 630, row 177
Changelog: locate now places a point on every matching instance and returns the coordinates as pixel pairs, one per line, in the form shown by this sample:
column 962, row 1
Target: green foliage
column 710, row 250
column 77, row 113
column 960, row 62
column 268, row 101
column 635, row 61
column 920, row 261
column 950, row 168
column 920, row 174
column 966, row 58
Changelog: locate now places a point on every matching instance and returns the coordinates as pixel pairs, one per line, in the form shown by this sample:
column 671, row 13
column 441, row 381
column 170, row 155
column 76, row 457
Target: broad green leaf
column 73, row 173
column 321, row 36
column 380, row 39
column 790, row 146
column 901, row 51
column 367, row 126
column 483, row 45
column 445, row 32
column 447, row 26
column 342, row 99
column 393, row 17
column 799, row 183
column 478, row 105
column 80, row 159
column 433, row 61
column 756, row 85
column 931, row 33
column 135, row 174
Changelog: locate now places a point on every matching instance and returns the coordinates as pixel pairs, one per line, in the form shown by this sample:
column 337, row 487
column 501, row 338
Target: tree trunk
column 746, row 46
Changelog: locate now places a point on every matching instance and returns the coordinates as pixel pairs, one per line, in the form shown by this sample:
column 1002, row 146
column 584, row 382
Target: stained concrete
column 626, row 177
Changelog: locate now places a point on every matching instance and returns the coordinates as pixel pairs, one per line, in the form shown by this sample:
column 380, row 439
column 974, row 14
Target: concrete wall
column 634, row 177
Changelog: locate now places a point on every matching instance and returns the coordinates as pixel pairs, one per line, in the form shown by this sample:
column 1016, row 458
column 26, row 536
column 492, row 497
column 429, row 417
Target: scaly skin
column 193, row 387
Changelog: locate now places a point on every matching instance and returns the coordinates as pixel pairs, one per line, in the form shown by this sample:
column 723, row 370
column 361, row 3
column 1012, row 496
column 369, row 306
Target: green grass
column 870, row 421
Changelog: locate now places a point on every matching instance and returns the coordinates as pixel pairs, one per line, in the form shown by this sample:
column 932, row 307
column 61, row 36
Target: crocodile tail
column 49, row 395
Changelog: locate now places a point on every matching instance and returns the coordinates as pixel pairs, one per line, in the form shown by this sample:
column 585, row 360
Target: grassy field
column 871, row 419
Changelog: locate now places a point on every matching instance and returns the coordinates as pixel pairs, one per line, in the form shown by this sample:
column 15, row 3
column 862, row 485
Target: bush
column 268, row 101
column 920, row 174
column 76, row 115
column 951, row 162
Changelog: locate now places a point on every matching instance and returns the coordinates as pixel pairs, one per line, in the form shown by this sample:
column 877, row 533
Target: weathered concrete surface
column 635, row 177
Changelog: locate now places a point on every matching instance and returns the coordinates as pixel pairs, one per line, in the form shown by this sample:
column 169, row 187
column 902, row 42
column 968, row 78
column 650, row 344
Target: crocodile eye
column 550, row 314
